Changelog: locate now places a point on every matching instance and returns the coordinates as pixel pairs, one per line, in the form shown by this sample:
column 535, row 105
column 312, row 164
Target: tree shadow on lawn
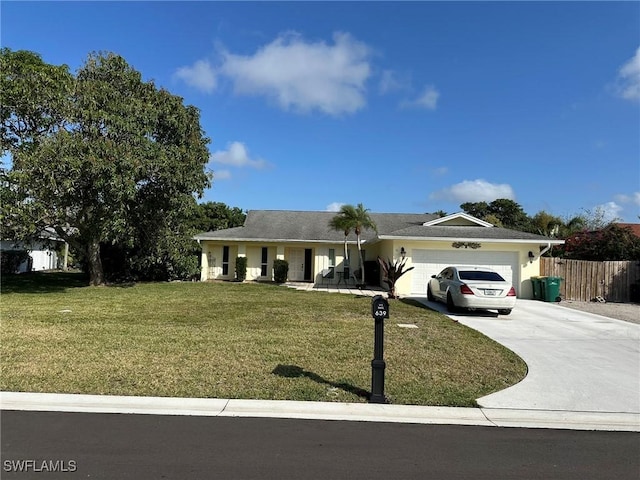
column 294, row 371
column 43, row 282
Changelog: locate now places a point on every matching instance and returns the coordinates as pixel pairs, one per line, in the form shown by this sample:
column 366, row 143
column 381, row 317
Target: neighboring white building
column 42, row 253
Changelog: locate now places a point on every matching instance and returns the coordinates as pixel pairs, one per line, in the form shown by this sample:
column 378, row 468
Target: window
column 332, row 262
column 480, row 275
column 446, row 274
column 211, row 260
column 264, row 262
column 225, row 260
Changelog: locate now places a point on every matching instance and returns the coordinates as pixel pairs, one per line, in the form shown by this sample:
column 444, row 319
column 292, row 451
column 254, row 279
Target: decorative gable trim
column 457, row 220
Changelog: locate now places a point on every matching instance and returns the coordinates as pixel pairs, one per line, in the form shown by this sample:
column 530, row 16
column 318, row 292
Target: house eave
column 200, row 238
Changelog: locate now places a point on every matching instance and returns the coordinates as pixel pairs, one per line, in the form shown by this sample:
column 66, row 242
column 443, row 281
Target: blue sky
column 402, row 106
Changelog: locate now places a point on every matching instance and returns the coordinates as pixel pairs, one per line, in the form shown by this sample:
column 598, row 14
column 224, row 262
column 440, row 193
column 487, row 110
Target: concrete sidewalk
column 362, row 412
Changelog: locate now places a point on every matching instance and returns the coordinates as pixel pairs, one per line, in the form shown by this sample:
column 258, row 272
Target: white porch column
column 204, row 264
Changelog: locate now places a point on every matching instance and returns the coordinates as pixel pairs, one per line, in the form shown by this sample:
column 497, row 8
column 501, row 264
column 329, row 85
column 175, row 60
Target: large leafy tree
column 211, row 216
column 102, row 156
column 34, row 98
column 503, row 212
column 477, row 209
column 543, row 223
column 356, row 219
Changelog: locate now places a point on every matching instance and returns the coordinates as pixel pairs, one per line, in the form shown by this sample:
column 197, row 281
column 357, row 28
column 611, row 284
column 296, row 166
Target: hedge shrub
column 241, row 268
column 280, row 270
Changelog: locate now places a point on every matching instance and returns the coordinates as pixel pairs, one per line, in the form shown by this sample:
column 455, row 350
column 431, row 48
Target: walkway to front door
column 310, row 287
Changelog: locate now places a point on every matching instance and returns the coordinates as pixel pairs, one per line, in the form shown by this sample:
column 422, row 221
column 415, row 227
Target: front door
column 296, row 264
column 300, row 260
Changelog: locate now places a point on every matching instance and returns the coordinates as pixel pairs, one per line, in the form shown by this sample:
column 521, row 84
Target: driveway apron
column 576, row 361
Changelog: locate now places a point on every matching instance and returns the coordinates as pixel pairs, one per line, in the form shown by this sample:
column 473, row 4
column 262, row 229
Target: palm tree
column 356, row 219
column 342, row 224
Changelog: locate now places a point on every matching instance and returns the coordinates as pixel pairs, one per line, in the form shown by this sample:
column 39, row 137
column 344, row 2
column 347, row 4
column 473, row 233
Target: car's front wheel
column 430, row 296
column 504, row 311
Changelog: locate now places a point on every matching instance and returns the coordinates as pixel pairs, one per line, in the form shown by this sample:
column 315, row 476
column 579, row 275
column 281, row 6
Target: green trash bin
column 536, row 283
column 551, row 289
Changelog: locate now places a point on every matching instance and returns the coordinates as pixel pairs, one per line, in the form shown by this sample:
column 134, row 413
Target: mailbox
column 379, row 311
column 379, row 307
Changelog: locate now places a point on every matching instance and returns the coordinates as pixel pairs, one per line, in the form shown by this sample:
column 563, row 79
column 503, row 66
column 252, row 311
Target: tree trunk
column 96, row 275
column 361, row 261
column 392, row 291
column 65, row 263
column 346, row 252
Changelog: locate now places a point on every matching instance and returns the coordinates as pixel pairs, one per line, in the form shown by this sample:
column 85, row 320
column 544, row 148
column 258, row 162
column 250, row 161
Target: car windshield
column 480, row 275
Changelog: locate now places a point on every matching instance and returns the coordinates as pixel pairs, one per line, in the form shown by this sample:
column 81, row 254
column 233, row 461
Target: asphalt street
column 119, row 446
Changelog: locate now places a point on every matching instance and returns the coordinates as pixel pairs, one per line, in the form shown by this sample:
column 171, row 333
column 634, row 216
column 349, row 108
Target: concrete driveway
column 577, row 361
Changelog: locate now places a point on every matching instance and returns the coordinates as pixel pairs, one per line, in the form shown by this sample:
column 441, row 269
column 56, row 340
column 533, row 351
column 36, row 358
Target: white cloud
column 608, row 212
column 440, row 171
column 304, row 76
column 221, row 175
column 334, row 207
column 634, row 198
column 474, row 191
column 628, row 82
column 428, row 99
column 237, row 155
column 201, row 76
column 391, row 81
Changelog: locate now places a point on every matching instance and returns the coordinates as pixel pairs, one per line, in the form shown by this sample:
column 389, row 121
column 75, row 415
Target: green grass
column 229, row 340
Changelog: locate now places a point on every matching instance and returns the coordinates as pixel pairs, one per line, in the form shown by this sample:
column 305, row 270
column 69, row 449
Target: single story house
column 315, row 252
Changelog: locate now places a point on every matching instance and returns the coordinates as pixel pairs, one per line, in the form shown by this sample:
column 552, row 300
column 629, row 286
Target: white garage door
column 432, row 262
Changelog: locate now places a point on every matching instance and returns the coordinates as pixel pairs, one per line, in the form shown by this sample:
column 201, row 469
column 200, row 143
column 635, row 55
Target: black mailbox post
column 379, row 311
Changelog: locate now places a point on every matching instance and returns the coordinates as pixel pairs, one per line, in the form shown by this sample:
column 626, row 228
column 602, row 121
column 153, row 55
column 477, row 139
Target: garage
column 431, row 262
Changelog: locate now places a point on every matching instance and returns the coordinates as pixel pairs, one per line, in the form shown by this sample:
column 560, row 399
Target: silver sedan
column 472, row 287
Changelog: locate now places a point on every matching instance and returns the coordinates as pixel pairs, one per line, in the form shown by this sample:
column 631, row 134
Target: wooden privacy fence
column 584, row 281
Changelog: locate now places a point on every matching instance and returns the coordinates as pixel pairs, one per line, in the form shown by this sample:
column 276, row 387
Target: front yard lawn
column 229, row 340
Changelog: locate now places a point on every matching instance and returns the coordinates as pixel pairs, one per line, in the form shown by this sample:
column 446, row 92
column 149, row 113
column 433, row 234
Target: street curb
column 212, row 407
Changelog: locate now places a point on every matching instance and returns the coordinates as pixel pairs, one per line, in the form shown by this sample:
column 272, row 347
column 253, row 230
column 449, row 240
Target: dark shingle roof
column 303, row 226
column 292, row 226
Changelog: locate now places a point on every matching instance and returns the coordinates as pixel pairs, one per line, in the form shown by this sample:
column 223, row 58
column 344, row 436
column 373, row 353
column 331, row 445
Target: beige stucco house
column 315, row 252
